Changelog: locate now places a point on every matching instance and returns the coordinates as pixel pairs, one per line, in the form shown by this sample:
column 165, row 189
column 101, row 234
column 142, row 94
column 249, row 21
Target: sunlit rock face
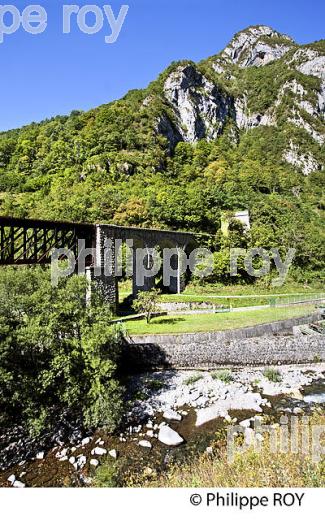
column 257, row 46
column 304, row 162
column 246, row 120
column 200, row 107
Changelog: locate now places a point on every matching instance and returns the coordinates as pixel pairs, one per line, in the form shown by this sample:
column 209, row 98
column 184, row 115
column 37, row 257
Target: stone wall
column 248, row 346
column 267, row 350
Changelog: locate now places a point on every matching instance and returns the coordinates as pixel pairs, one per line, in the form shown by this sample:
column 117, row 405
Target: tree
column 146, row 302
column 58, row 355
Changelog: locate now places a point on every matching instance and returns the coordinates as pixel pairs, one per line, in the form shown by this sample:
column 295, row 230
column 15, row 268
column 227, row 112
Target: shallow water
column 315, row 393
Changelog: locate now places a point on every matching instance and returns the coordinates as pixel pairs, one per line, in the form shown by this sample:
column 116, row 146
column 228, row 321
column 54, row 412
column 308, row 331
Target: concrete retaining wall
column 248, row 346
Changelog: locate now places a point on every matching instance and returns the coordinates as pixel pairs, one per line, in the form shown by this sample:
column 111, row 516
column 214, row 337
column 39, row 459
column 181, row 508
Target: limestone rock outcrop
column 202, row 99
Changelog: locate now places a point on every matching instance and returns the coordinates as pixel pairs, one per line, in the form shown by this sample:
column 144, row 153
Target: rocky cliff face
column 200, row 107
column 203, row 97
column 257, row 46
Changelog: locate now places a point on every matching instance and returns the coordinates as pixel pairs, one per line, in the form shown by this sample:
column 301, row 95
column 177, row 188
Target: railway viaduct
column 32, row 242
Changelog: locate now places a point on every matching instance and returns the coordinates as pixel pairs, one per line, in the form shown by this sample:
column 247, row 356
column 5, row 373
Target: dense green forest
column 112, row 164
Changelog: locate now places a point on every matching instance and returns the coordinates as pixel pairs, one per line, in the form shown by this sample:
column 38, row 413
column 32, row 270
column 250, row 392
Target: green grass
column 193, row 379
column 106, row 475
column 222, row 375
column 233, row 295
column 273, row 375
column 179, row 324
column 240, row 296
column 247, row 290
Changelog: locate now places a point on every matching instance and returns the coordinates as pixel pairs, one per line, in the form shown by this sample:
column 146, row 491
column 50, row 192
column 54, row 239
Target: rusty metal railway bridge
column 29, row 242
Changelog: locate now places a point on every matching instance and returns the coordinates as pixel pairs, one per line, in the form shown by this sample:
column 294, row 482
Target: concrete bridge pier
column 106, row 285
column 177, row 283
column 103, row 271
column 141, row 264
column 145, row 254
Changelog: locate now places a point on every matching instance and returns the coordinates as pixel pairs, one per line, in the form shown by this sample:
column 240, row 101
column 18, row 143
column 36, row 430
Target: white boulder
column 98, row 451
column 246, row 423
column 81, row 462
column 18, row 484
column 113, row 453
column 11, row 479
column 169, row 437
column 171, row 415
column 145, row 444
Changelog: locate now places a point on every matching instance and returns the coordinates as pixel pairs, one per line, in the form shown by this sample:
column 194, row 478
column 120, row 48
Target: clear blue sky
column 53, row 73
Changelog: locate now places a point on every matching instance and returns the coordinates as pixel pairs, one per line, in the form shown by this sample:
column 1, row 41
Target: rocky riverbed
column 171, row 417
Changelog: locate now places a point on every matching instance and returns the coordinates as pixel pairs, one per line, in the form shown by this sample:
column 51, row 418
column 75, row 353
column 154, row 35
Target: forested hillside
column 244, row 129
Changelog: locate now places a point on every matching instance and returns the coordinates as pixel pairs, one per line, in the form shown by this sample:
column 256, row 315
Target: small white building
column 243, row 217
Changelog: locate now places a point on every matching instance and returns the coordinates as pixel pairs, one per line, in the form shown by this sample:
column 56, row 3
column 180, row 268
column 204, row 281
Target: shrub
column 146, row 302
column 56, row 353
column 223, row 375
column 106, row 476
column 155, row 384
column 193, row 379
column 272, row 375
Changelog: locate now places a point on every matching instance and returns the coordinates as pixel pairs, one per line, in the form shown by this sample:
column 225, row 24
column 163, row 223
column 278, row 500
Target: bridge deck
column 30, row 241
column 26, row 241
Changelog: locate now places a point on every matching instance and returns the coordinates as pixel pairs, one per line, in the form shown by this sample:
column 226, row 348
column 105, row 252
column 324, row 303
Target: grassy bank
column 234, row 295
column 213, row 322
column 249, row 469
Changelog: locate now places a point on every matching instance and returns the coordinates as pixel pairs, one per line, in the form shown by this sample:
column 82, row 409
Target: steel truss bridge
column 28, row 242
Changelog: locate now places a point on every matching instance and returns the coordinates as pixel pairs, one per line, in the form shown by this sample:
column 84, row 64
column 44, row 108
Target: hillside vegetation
column 241, row 130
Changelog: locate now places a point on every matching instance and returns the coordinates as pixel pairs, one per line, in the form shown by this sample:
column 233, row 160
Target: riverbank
column 264, row 467
column 171, row 420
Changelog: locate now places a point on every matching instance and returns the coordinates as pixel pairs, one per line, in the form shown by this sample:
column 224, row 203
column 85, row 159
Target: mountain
column 268, row 81
column 243, row 129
